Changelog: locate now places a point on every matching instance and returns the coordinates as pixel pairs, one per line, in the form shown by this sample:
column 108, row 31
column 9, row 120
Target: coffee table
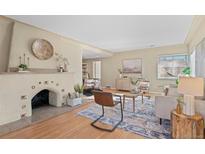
column 132, row 96
column 127, row 94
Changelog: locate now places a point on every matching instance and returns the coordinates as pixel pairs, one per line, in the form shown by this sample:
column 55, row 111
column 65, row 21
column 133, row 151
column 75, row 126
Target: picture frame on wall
column 132, row 66
column 171, row 66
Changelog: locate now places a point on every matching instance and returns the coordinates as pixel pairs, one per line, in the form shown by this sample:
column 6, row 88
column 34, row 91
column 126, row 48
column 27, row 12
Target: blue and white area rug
column 143, row 122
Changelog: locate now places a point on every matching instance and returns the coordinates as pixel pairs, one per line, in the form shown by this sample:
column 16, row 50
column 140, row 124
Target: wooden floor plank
column 68, row 125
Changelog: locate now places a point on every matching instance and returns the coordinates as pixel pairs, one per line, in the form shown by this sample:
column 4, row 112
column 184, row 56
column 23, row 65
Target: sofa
column 165, row 104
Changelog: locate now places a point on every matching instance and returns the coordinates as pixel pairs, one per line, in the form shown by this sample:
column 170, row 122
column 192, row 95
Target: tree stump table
column 187, row 127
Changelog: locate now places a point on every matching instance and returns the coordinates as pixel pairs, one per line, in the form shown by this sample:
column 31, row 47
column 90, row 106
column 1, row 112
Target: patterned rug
column 143, row 122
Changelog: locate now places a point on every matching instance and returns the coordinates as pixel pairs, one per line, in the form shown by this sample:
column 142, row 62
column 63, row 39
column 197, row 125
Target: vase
column 65, row 68
column 179, row 108
column 137, row 89
column 120, row 76
column 21, row 69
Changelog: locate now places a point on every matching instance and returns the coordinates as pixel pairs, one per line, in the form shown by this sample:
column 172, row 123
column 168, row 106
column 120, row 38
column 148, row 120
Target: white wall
column 15, row 85
column 196, row 32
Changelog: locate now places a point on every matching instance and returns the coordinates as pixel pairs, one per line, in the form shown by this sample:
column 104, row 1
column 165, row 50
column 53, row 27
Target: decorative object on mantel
column 76, row 97
column 42, row 49
column 190, row 87
column 61, row 69
column 23, row 67
column 62, row 63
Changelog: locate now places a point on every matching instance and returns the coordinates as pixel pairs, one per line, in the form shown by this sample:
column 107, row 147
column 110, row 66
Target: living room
column 140, row 76
column 104, row 77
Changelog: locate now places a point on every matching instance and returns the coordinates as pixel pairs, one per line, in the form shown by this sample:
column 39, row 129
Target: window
column 193, row 63
column 97, row 69
column 200, row 59
column 170, row 66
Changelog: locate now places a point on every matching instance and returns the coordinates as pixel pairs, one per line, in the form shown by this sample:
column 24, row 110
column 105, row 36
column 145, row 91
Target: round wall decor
column 42, row 49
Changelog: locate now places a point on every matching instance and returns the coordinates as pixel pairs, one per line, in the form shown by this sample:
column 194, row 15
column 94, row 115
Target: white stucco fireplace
column 18, row 89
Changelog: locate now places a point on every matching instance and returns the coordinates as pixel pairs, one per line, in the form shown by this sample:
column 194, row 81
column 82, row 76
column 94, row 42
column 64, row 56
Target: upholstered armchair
column 165, row 104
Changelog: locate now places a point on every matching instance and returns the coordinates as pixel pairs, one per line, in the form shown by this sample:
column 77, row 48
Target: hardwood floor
column 68, row 125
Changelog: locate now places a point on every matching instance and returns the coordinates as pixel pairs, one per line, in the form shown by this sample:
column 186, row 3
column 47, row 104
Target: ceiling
column 116, row 33
column 92, row 53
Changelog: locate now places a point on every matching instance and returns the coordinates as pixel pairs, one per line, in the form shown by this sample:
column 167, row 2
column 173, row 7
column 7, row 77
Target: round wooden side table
column 187, row 127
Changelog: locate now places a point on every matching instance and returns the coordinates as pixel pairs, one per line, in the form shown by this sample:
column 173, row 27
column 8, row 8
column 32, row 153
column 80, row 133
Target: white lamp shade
column 191, row 86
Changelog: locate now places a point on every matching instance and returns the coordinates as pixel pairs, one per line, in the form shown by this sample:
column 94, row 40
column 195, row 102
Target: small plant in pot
column 22, row 67
column 185, row 72
column 76, row 97
column 135, row 83
column 79, row 89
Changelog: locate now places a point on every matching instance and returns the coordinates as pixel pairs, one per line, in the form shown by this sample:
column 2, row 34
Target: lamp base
column 189, row 108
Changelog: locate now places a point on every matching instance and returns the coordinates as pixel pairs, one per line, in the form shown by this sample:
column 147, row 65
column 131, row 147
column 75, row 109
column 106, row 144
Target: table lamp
column 190, row 87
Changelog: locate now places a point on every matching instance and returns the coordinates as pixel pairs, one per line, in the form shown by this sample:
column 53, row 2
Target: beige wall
column 16, row 39
column 149, row 57
column 22, row 39
column 5, row 36
column 196, row 33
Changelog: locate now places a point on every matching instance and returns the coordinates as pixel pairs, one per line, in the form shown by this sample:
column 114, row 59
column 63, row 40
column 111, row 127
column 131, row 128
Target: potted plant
column 22, row 67
column 135, row 83
column 76, row 97
column 185, row 72
column 79, row 89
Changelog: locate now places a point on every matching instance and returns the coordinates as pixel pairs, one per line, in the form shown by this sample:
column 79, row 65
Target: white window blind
column 97, row 69
column 193, row 63
column 200, row 59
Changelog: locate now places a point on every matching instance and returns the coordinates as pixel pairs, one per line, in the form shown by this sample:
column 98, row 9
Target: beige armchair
column 165, row 104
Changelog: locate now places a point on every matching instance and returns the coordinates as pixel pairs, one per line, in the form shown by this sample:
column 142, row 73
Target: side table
column 187, row 127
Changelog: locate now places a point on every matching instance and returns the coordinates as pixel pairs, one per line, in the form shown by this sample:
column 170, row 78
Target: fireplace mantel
column 17, row 90
column 10, row 73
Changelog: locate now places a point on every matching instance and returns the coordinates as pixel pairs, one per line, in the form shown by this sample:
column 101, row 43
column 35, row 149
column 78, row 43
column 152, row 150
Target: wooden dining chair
column 106, row 99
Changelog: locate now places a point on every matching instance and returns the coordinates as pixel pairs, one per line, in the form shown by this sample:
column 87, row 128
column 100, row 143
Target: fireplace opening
column 40, row 99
